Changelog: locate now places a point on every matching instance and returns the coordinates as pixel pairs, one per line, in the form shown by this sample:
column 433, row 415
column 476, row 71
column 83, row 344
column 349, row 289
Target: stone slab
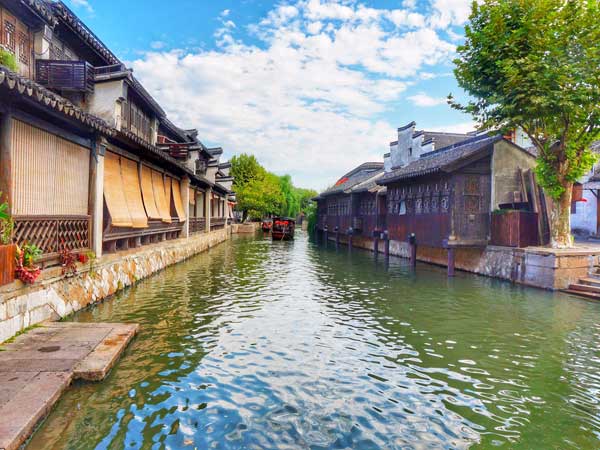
column 39, row 365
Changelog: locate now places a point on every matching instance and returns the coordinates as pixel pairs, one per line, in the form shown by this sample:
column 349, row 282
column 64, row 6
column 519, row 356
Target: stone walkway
column 38, row 366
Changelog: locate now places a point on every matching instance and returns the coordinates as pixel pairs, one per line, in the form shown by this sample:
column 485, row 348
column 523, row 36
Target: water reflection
column 292, row 345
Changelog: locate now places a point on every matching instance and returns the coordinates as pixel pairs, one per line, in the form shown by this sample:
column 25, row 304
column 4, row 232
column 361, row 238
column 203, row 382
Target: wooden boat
column 283, row 228
column 267, row 225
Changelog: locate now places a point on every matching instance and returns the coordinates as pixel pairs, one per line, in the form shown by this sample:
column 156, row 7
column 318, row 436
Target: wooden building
column 444, row 196
column 88, row 159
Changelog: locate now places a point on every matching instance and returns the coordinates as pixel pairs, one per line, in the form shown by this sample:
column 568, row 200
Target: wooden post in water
column 386, row 242
column 376, row 243
column 412, row 241
column 326, row 234
column 337, row 236
column 451, row 257
column 350, row 233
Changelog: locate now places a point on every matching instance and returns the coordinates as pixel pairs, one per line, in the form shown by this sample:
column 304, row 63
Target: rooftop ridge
column 458, row 145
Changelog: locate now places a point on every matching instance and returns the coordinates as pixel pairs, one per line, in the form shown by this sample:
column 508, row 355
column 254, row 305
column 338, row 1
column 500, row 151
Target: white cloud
column 309, row 98
column 83, row 4
column 157, row 45
column 462, row 127
column 450, row 12
column 225, row 12
column 424, row 100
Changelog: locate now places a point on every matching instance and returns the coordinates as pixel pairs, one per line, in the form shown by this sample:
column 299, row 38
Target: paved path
column 38, row 366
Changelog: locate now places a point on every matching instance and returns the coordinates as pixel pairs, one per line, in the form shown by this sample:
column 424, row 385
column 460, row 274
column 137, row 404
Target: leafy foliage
column 6, row 224
column 534, row 65
column 261, row 193
column 8, row 60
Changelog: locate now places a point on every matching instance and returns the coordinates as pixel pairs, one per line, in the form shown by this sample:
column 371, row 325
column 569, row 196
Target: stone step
column 584, row 288
column 584, row 294
column 592, row 281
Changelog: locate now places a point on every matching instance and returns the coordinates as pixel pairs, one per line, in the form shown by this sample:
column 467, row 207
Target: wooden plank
column 525, row 196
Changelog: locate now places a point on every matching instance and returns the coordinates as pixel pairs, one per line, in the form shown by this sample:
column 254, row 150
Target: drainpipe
column 96, row 195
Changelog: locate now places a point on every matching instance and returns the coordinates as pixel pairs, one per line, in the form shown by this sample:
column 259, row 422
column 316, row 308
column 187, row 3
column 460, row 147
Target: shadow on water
column 296, row 345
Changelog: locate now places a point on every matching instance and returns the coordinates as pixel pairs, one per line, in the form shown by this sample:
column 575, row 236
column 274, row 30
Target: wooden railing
column 217, row 223
column 53, row 233
column 65, row 75
column 197, row 224
column 122, row 238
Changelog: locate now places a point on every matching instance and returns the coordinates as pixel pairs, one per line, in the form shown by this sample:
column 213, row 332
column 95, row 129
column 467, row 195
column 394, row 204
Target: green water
column 289, row 345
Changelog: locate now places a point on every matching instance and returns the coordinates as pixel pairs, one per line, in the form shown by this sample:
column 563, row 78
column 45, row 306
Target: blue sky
column 311, row 87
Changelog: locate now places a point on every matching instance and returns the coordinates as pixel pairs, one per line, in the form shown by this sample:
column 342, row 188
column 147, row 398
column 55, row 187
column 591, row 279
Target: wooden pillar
column 337, row 236
column 5, row 159
column 386, row 243
column 376, row 243
column 208, row 207
column 412, row 241
column 184, row 188
column 96, row 195
column 350, row 233
column 451, row 257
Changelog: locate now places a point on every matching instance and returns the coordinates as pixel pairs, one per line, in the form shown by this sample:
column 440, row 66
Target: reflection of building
column 585, row 211
column 88, row 158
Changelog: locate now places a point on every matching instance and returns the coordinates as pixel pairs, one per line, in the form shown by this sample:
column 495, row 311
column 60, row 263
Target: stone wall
column 54, row 296
column 533, row 266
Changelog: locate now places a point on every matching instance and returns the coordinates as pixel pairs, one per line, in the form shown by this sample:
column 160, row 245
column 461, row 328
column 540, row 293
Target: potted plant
column 7, row 248
column 26, row 270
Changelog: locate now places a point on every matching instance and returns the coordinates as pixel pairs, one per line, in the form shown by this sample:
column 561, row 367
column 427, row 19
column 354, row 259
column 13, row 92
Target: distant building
column 585, row 212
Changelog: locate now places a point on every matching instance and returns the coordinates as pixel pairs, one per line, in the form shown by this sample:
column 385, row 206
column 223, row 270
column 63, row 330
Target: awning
column 114, row 192
column 178, row 203
column 192, row 196
column 168, row 193
column 148, row 194
column 133, row 193
column 159, row 195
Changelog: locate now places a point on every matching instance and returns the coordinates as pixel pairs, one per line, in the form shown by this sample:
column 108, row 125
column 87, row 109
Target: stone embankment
column 55, row 296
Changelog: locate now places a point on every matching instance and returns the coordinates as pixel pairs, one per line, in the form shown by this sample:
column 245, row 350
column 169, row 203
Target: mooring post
column 350, row 233
column 451, row 257
column 337, row 236
column 326, row 234
column 386, row 242
column 412, row 242
column 376, row 242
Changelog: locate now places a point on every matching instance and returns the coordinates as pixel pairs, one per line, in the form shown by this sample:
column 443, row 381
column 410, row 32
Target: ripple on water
column 289, row 345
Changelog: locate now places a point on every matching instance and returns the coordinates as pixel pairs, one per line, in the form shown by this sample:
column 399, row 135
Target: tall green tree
column 291, row 207
column 535, row 64
column 245, row 168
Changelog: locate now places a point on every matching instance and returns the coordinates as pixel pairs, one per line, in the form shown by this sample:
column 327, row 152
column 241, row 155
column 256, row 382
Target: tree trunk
column 560, row 219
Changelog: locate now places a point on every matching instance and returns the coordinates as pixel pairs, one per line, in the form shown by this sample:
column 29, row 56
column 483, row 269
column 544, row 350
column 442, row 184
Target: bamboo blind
column 192, row 196
column 133, row 194
column 148, row 194
column 159, row 195
column 167, row 181
column 50, row 175
column 114, row 192
column 178, row 203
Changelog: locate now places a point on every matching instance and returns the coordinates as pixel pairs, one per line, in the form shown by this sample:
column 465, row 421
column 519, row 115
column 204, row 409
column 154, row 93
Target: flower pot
column 7, row 263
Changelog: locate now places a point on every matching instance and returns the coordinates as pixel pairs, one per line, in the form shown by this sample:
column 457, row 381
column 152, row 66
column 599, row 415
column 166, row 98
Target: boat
column 267, row 225
column 283, row 228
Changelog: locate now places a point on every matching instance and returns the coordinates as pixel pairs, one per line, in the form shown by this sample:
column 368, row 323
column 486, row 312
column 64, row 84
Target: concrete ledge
column 39, row 366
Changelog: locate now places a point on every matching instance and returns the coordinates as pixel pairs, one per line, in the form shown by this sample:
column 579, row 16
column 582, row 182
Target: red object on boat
column 283, row 229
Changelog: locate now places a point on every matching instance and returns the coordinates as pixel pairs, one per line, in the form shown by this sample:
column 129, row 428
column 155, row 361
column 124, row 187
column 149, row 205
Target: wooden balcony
column 53, row 233
column 76, row 76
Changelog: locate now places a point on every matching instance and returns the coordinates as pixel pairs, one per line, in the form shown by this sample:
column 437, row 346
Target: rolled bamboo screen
column 148, row 194
column 114, row 192
column 178, row 202
column 192, row 196
column 133, row 193
column 159, row 195
column 50, row 175
column 167, row 181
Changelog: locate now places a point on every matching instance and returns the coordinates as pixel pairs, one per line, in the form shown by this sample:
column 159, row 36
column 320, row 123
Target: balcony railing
column 197, row 225
column 77, row 76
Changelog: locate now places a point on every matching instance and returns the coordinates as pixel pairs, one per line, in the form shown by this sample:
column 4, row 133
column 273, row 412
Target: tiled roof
column 43, row 9
column 438, row 160
column 29, row 89
column 354, row 177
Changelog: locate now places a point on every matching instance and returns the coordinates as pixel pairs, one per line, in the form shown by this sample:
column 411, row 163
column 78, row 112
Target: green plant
column 8, row 60
column 4, row 209
column 534, row 65
column 6, row 230
column 31, row 253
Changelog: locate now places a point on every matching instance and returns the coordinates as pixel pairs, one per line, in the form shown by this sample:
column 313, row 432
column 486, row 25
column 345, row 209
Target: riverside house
column 89, row 160
column 467, row 200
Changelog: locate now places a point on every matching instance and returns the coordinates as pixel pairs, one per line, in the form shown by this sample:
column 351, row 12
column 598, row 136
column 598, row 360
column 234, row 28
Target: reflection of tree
column 492, row 350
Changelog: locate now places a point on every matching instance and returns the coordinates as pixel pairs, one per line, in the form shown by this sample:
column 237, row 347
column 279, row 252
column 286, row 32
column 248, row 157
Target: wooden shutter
column 133, row 193
column 178, row 203
column 114, row 192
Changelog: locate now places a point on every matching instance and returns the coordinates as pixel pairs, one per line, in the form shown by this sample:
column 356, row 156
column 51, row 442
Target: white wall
column 584, row 220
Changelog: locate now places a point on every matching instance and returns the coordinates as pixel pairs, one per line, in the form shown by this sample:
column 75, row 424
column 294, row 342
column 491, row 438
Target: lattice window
column 9, row 35
column 24, row 48
column 52, row 234
column 56, row 52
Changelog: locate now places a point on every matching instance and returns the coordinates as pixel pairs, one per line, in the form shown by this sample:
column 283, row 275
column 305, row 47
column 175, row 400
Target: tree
column 261, row 196
column 245, row 168
column 536, row 65
column 291, row 207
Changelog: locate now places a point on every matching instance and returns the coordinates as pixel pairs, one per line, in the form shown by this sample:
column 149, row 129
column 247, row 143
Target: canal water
column 289, row 345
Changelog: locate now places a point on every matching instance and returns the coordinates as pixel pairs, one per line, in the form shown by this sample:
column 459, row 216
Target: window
column 23, row 48
column 8, row 35
column 402, row 208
